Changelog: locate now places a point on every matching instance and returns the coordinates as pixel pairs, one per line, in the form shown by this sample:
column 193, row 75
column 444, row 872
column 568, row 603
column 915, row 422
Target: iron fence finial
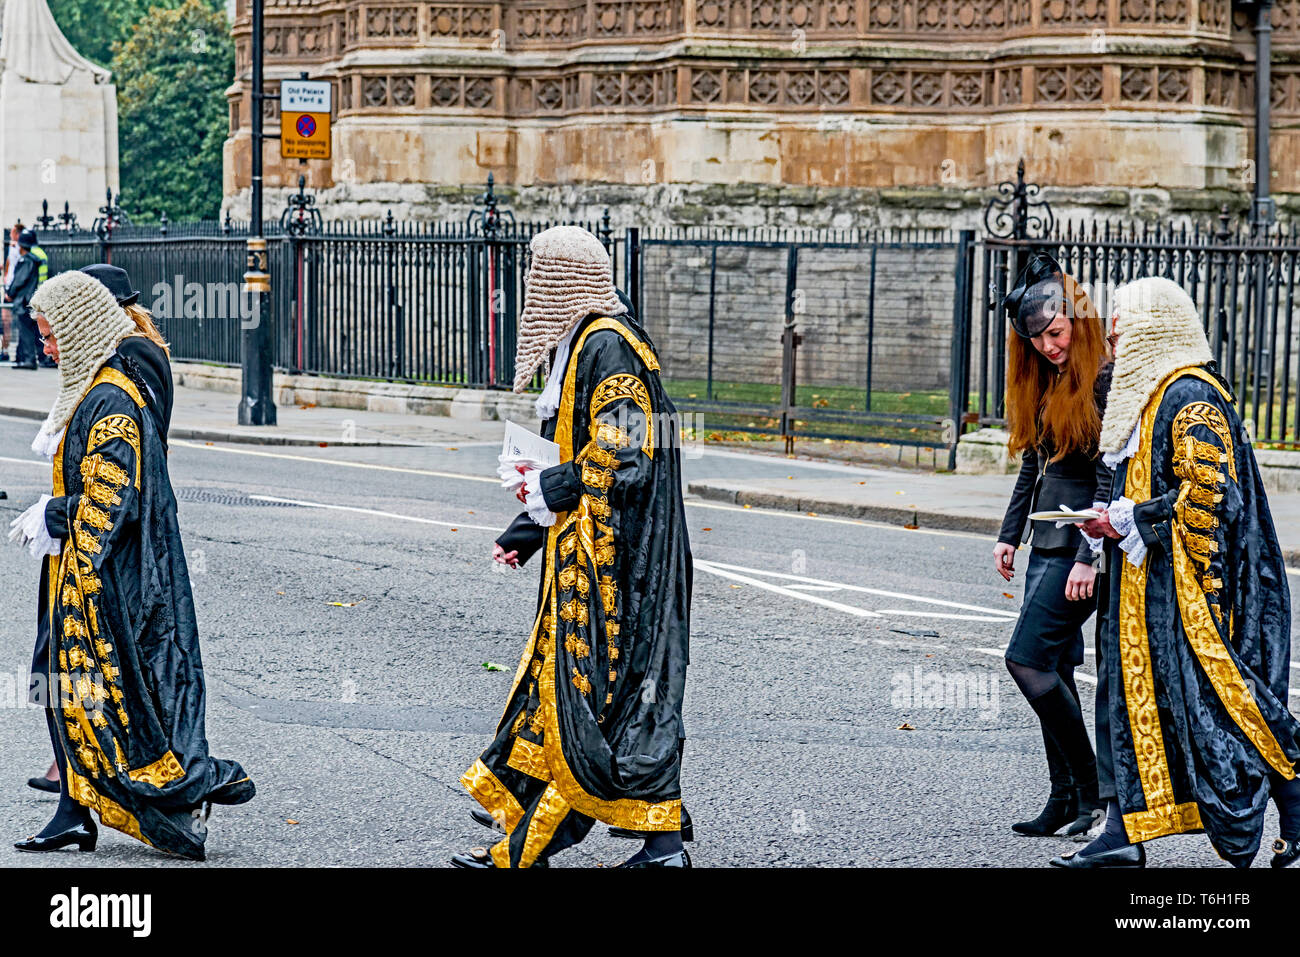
column 1008, row 213
column 490, row 219
column 300, row 217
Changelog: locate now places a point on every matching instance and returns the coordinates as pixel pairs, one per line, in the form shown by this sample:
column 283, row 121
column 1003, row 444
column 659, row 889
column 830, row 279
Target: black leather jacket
column 1075, row 480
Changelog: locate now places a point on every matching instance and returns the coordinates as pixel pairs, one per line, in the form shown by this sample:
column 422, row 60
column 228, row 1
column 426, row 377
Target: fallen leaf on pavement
column 344, row 604
column 290, row 821
column 906, row 727
column 1007, row 594
column 492, row 666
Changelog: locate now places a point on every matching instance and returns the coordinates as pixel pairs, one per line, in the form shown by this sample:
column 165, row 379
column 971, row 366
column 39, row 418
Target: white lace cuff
column 29, row 530
column 534, row 501
column 1094, row 544
column 511, row 477
column 1134, row 548
column 1121, row 515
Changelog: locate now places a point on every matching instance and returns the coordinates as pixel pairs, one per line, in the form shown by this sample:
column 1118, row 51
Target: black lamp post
column 256, row 403
column 1263, row 211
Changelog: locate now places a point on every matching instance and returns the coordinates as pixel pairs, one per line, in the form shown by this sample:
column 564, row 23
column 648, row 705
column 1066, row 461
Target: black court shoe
column 688, row 830
column 1285, row 852
column 1130, row 855
column 43, row 784
column 481, row 816
column 84, row 837
column 675, row 859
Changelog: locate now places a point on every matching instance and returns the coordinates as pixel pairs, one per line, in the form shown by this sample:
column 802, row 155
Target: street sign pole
column 257, row 404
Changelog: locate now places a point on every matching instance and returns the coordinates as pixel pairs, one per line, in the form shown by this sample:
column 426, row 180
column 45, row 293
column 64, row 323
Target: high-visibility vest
column 43, row 273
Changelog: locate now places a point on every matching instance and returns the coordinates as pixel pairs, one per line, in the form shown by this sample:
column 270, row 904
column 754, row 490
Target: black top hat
column 117, row 281
column 1026, row 312
column 27, row 239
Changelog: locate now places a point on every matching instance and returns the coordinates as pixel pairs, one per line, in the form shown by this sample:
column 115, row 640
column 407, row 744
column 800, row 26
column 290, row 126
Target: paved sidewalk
column 972, row 503
column 209, row 416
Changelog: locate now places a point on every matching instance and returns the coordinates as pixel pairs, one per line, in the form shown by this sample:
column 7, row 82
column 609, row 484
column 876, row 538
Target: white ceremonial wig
column 570, row 277
column 1160, row 333
column 88, row 324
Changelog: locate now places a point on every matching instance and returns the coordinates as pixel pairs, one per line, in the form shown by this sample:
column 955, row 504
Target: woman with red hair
column 1057, row 378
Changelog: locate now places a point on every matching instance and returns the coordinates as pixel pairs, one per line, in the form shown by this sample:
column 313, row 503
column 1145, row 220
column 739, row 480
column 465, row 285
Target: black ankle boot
column 1091, row 810
column 1059, row 810
column 1058, row 710
column 1061, row 807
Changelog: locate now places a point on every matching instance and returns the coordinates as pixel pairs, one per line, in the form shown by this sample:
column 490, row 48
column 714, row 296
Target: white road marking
column 371, row 511
column 771, row 513
column 343, row 463
column 787, row 592
column 1078, row 675
column 41, row 462
column 860, row 523
column 1003, row 615
column 943, row 614
column 1293, row 571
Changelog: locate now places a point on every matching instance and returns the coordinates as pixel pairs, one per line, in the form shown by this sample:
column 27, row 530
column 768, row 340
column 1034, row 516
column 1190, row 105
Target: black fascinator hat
column 1036, row 298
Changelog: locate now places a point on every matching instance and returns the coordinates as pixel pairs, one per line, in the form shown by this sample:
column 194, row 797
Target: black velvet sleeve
column 523, row 536
column 561, row 487
column 1013, row 525
column 58, row 515
column 1151, row 518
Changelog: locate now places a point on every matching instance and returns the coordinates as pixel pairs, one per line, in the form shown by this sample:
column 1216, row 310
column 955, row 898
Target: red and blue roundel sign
column 306, row 126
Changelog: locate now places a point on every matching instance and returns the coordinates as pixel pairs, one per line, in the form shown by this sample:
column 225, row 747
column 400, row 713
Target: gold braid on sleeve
column 1203, row 468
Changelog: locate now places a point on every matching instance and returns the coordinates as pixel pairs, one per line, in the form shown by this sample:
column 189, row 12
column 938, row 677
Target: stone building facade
column 775, row 112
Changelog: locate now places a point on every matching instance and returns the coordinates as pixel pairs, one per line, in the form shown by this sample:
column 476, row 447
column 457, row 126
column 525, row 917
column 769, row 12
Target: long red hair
column 1057, row 410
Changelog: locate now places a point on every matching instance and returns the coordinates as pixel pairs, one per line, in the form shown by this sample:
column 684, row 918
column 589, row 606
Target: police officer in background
column 32, row 270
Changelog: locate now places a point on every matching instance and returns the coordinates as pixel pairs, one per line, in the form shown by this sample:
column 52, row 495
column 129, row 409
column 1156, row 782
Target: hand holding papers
column 1066, row 516
column 522, row 448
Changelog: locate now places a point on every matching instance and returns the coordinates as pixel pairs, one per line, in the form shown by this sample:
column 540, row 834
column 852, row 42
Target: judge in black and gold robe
column 592, row 727
column 1196, row 643
column 120, row 661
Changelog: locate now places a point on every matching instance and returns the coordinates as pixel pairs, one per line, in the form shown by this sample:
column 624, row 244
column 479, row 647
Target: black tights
column 1033, row 682
column 69, row 813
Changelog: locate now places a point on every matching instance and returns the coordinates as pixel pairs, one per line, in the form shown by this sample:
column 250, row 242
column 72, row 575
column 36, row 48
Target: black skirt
column 1049, row 631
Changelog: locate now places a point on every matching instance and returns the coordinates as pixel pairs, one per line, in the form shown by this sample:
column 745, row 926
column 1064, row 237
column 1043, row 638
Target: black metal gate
column 1243, row 279
column 840, row 335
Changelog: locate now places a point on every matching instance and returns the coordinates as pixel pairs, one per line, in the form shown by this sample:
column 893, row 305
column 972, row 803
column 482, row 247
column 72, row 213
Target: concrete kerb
column 889, row 515
column 224, row 435
column 393, row 397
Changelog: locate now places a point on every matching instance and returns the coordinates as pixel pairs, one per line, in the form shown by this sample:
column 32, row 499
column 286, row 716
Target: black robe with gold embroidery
column 126, row 677
column 593, row 727
column 1198, row 638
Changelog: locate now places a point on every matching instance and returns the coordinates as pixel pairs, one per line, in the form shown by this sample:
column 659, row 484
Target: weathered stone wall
column 911, row 322
column 806, row 112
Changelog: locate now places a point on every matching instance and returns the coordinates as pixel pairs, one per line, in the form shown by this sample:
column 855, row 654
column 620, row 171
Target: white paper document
column 522, row 447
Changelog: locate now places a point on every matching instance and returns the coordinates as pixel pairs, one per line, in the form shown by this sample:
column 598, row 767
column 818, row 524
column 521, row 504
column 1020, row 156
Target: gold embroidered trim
column 111, row 814
column 547, row 817
column 1162, row 821
column 529, row 758
column 1135, row 670
column 160, row 773
column 111, row 428
column 494, row 796
column 624, row 386
column 1204, row 637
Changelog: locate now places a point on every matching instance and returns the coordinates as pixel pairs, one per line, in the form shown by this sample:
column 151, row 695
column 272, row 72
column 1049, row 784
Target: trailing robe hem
column 124, row 668
column 1198, row 637
column 592, row 728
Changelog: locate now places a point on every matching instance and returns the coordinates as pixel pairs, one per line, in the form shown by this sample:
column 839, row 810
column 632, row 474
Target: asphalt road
column 348, row 604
